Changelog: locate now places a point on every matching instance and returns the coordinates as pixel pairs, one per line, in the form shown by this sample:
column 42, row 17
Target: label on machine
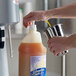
column 38, row 65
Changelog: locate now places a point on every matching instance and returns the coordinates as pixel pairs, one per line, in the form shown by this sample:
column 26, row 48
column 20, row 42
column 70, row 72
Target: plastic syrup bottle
column 32, row 54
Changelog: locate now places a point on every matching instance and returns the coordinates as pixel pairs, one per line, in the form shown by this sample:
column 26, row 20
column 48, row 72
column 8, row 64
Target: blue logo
column 39, row 72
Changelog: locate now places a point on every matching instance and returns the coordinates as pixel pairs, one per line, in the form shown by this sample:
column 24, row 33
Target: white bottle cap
column 33, row 27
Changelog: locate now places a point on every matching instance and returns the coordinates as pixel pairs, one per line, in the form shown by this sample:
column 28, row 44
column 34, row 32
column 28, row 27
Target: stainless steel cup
column 56, row 30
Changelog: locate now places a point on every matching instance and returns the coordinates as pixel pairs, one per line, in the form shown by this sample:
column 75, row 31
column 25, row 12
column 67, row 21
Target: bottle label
column 38, row 65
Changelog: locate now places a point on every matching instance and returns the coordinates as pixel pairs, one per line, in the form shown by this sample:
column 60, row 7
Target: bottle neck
column 33, row 27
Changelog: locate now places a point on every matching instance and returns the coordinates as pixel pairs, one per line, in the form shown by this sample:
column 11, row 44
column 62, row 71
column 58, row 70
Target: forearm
column 72, row 41
column 63, row 12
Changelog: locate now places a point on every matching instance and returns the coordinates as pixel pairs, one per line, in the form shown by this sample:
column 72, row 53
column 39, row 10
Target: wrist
column 46, row 15
column 53, row 13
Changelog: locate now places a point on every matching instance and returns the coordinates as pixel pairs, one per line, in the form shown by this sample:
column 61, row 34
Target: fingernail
column 31, row 23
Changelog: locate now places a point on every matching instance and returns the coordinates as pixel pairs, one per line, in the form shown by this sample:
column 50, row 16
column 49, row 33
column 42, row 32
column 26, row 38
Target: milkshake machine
column 9, row 14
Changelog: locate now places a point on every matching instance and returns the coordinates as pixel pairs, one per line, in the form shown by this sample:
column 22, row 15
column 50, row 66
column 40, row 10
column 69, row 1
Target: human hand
column 58, row 44
column 34, row 16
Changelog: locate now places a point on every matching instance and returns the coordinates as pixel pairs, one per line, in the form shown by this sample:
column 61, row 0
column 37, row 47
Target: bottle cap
column 33, row 27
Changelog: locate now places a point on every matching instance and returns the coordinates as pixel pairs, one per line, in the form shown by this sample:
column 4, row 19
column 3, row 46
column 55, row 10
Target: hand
column 34, row 16
column 58, row 44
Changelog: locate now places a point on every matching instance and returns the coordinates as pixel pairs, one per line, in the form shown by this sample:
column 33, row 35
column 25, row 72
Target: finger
column 26, row 20
column 51, row 44
column 24, row 23
column 27, row 24
column 56, row 53
column 30, row 23
column 52, row 49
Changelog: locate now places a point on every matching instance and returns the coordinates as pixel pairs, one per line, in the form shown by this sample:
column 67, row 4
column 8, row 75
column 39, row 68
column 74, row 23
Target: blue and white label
column 38, row 65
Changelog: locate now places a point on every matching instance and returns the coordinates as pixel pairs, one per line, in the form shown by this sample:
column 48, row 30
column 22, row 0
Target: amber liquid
column 26, row 50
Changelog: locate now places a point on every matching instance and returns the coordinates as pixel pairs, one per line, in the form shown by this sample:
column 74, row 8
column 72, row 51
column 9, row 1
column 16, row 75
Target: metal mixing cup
column 56, row 30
